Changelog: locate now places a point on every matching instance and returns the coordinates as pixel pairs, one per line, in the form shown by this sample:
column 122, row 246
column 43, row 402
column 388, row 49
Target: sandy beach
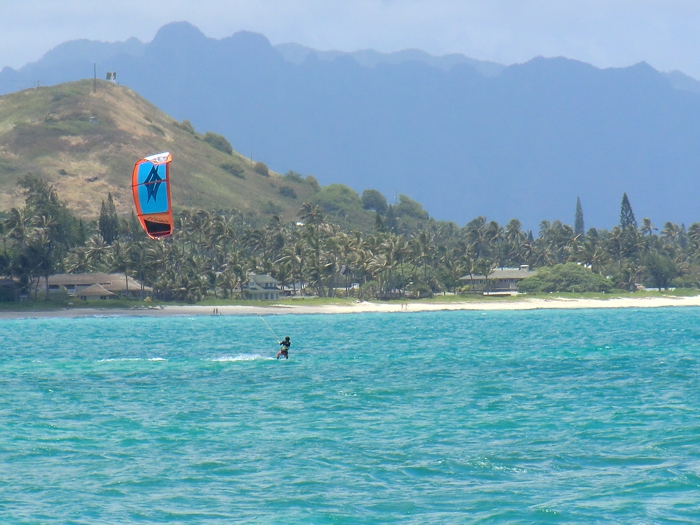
column 367, row 307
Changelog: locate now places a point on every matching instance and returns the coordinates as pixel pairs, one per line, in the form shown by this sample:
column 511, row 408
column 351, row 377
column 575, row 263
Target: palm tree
column 477, row 237
column 119, row 260
column 671, row 233
column 138, row 255
column 225, row 234
column 391, row 250
column 315, row 228
column 311, row 214
column 19, row 225
column 40, row 257
column 647, row 227
column 228, row 281
column 293, row 256
column 694, row 238
column 201, row 224
column 451, row 268
column 422, row 250
column 96, row 251
column 78, row 260
column 514, row 239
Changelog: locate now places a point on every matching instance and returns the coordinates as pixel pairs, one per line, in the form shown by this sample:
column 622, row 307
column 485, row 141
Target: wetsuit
column 284, row 351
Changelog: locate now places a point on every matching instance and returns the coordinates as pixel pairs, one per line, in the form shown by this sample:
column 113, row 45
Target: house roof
column 118, row 284
column 502, row 273
column 79, row 279
column 254, row 288
column 114, row 282
column 262, row 279
column 96, row 290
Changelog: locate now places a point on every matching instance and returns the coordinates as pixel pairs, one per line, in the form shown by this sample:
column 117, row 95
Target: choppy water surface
column 450, row 417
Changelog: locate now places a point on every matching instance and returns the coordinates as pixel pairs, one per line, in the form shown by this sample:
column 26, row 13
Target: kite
column 150, row 183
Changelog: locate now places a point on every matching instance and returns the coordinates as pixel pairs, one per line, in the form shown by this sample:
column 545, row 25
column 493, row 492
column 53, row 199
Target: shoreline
column 555, row 303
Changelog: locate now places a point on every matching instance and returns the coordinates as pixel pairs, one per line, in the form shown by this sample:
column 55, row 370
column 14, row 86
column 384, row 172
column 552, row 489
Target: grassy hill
column 86, row 143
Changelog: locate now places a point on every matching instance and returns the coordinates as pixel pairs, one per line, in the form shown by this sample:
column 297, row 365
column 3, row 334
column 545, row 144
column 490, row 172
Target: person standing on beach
column 284, row 351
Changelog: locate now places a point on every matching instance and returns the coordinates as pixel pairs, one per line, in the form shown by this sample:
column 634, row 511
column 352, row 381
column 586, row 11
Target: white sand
column 369, row 307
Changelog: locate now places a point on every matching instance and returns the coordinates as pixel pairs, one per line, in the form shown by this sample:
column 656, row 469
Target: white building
column 261, row 288
column 501, row 280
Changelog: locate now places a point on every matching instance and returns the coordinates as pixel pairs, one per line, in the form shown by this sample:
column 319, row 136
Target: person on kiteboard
column 284, row 351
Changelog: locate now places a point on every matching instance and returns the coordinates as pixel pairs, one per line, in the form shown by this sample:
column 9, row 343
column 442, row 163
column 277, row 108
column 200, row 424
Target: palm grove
column 405, row 252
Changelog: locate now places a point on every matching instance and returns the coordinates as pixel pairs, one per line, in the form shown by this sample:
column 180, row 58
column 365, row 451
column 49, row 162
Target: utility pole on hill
column 94, row 77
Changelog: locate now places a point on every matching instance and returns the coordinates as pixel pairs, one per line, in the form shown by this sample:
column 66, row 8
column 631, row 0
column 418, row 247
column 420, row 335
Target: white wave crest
column 241, row 357
column 119, row 359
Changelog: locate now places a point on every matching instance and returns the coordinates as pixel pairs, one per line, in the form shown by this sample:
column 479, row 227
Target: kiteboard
column 150, row 184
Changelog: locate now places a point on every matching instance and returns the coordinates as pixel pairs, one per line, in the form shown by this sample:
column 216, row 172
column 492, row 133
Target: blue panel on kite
column 152, row 188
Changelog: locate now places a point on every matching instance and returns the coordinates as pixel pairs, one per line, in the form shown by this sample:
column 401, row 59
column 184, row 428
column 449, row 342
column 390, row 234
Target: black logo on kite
column 153, row 182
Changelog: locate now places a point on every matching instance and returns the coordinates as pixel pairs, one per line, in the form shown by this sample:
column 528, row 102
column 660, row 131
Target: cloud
column 603, row 32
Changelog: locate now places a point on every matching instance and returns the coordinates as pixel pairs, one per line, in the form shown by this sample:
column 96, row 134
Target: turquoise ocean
column 588, row 416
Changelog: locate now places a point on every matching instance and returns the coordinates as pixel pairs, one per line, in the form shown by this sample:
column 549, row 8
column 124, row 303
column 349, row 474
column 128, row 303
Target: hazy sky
column 605, row 33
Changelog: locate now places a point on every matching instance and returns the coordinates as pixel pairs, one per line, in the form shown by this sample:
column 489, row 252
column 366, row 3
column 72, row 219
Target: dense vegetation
column 404, row 251
column 569, row 277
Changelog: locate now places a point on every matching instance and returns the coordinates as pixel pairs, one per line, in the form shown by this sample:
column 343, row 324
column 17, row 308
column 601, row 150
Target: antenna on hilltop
column 94, row 78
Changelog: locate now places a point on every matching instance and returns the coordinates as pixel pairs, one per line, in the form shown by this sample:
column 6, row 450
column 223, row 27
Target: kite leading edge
column 150, row 183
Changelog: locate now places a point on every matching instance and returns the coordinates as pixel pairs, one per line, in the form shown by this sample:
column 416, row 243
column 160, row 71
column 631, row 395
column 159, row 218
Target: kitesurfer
column 284, row 351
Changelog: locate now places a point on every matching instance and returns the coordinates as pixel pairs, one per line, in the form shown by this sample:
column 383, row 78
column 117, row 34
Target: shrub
column 218, row 142
column 686, row 281
column 337, row 197
column 185, row 125
column 373, row 200
column 233, row 169
column 368, row 290
column 293, row 176
column 409, row 207
column 58, row 96
column 311, row 181
column 270, row 208
column 286, row 191
column 569, row 277
column 261, row 169
column 419, row 290
column 660, row 269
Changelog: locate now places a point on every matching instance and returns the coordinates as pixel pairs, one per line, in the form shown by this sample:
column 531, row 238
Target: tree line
column 211, row 254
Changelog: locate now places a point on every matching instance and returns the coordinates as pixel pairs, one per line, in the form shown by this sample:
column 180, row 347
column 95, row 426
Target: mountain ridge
column 521, row 143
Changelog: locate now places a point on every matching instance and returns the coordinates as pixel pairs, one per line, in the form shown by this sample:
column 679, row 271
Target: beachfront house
column 292, row 289
column 96, row 291
column 501, row 280
column 261, row 288
column 115, row 283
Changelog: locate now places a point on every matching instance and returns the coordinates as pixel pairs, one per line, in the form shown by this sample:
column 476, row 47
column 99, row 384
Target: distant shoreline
column 554, row 303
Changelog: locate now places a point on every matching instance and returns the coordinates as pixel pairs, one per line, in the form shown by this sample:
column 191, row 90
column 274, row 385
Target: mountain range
column 462, row 136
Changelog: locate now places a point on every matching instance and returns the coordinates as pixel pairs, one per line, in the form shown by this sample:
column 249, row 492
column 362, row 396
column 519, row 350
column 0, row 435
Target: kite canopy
column 150, row 183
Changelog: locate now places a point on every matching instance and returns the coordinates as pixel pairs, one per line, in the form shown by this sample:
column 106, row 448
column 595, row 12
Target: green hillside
column 86, row 143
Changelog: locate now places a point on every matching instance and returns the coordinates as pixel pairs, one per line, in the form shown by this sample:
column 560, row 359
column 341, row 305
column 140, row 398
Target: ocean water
column 589, row 416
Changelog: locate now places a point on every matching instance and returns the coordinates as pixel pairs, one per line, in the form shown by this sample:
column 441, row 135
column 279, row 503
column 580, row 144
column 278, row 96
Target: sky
column 605, row 33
